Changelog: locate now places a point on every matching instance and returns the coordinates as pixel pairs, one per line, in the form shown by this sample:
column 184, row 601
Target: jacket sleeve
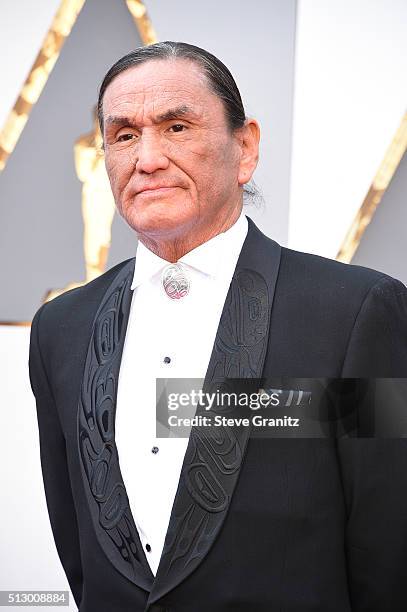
column 54, row 466
column 374, row 470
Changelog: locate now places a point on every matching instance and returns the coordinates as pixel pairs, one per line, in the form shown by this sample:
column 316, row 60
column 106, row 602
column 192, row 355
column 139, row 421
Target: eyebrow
column 172, row 113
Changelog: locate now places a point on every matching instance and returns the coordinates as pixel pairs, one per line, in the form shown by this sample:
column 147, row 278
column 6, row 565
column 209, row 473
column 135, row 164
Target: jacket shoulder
column 307, row 273
column 325, row 310
column 311, row 273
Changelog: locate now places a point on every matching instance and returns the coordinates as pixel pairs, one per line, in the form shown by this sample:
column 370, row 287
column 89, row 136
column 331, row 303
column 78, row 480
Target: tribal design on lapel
column 241, row 341
column 106, row 493
column 212, row 461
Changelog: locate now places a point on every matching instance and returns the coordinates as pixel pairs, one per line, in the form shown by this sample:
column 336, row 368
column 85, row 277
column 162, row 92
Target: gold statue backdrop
column 98, row 206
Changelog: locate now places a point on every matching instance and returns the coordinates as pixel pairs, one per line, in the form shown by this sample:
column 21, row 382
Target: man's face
column 172, row 161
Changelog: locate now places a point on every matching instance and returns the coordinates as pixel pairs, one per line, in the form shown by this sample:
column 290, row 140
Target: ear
column 249, row 144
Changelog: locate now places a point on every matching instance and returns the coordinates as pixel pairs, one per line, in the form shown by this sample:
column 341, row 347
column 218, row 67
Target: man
column 249, row 523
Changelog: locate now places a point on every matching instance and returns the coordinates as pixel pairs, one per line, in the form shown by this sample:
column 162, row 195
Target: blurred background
column 327, row 80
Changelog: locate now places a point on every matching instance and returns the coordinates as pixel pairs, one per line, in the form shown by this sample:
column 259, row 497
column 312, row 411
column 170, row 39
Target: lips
column 158, row 188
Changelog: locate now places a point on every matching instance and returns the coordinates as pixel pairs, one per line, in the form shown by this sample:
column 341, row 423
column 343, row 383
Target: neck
column 176, row 247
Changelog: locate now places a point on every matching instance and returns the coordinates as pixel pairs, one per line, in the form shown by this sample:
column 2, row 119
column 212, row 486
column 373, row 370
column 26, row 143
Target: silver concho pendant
column 175, row 281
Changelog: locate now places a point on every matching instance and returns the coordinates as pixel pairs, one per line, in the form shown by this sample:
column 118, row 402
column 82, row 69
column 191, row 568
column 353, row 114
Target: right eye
column 124, row 137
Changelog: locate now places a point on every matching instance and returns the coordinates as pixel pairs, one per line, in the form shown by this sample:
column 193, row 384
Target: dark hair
column 220, row 79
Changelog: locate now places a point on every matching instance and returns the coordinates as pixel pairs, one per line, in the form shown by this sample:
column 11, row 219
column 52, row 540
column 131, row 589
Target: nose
column 150, row 155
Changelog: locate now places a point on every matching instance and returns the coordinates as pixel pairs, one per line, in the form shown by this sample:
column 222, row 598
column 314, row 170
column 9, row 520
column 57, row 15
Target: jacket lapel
column 108, row 503
column 212, row 463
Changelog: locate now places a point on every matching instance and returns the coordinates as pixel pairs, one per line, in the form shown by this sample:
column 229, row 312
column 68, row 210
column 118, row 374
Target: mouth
column 155, row 190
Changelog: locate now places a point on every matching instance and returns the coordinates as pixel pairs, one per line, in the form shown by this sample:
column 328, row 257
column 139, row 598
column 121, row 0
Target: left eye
column 178, row 127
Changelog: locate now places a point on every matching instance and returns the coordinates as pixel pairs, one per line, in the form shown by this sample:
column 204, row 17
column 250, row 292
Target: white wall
column 28, row 557
column 350, row 95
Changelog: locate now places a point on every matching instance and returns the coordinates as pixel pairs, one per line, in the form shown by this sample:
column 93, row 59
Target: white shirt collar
column 209, row 257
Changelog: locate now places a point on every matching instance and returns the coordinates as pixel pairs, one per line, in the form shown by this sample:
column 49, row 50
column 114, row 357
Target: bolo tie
column 175, row 281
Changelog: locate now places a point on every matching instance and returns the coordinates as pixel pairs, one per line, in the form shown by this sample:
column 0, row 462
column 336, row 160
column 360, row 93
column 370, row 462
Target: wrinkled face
column 172, row 161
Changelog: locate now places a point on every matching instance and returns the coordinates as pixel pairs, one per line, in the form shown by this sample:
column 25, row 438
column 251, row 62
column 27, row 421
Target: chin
column 156, row 219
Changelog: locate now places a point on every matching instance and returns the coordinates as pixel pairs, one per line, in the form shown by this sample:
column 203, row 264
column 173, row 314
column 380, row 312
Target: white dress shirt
column 183, row 330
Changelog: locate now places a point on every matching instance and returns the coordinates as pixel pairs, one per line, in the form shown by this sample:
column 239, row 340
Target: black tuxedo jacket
column 257, row 525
